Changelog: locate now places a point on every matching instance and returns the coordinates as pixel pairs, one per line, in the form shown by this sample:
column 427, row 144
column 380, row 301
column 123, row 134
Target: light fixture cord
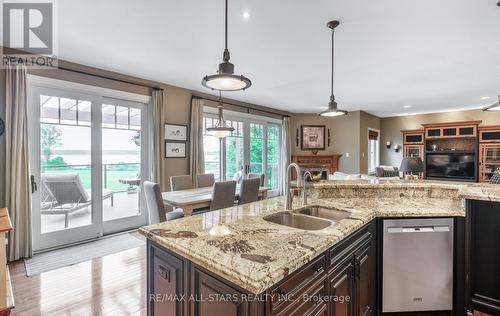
column 332, row 97
column 226, row 56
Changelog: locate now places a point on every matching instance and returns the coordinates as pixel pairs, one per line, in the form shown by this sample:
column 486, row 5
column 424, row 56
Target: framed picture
column 313, row 137
column 175, row 150
column 176, row 132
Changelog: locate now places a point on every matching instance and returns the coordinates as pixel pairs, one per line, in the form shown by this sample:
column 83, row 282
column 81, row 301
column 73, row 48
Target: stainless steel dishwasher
column 417, row 265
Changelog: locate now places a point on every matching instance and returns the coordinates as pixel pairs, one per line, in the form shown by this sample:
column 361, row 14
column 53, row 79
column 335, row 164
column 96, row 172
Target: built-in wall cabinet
column 413, row 143
column 489, row 151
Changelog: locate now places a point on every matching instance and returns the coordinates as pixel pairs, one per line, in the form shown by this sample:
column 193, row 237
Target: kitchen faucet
column 304, row 187
column 288, row 189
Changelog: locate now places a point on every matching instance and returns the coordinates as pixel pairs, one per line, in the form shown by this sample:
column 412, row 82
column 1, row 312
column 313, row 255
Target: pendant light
column 332, row 105
column 220, row 129
column 493, row 107
column 225, row 79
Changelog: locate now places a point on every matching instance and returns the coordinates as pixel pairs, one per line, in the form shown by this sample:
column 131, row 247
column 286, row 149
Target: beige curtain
column 17, row 173
column 285, row 151
column 158, row 139
column 196, row 156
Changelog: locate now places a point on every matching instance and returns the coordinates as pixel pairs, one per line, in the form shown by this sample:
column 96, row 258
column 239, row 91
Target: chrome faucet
column 304, row 186
column 288, row 189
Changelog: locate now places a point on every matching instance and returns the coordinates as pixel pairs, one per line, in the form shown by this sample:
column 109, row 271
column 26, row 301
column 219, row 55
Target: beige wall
column 344, row 137
column 349, row 135
column 392, row 126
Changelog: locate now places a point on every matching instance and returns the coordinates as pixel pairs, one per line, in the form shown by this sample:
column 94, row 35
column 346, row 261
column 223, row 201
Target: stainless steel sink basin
column 298, row 221
column 326, row 213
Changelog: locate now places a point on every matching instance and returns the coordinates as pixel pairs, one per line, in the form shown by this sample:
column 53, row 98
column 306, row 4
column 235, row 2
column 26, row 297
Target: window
column 373, row 149
column 253, row 147
column 211, row 149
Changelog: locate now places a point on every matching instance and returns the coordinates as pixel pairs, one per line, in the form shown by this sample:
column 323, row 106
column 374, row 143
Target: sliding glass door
column 253, row 147
column 87, row 163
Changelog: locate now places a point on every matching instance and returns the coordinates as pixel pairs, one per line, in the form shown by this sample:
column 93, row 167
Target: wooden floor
column 111, row 285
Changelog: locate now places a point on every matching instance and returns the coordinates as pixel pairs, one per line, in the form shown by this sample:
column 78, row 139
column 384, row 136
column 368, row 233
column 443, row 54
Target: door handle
column 34, row 187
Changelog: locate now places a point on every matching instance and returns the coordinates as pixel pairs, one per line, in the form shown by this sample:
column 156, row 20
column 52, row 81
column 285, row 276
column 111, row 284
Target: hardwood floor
column 111, row 285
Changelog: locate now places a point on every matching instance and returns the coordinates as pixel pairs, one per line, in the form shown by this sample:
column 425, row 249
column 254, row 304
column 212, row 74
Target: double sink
column 309, row 218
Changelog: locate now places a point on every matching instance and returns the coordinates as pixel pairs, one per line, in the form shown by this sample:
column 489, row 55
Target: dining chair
column 261, row 176
column 223, row 195
column 205, row 180
column 249, row 191
column 154, row 203
column 181, row 183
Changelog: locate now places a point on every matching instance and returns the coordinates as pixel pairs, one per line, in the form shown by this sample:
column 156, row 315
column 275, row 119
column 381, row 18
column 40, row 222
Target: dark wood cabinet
column 364, row 277
column 352, row 279
column 214, row 297
column 483, row 257
column 166, row 283
column 339, row 282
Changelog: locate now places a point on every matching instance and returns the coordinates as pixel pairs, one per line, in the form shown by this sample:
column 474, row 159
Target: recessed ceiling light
column 246, row 15
column 485, row 98
column 407, row 106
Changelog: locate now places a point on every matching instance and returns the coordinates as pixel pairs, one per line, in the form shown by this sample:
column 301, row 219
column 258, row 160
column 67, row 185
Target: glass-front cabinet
column 490, row 160
column 489, row 151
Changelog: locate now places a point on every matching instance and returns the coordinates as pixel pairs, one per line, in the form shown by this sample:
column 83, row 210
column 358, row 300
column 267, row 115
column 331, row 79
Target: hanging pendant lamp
column 225, row 79
column 220, row 129
column 332, row 105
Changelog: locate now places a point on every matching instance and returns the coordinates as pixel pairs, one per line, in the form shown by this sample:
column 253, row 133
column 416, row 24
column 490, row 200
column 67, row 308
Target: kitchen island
column 267, row 268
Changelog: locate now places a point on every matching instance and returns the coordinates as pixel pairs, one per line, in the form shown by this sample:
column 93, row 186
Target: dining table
column 198, row 198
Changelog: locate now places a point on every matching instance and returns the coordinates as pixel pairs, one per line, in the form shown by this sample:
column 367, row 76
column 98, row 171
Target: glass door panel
column 211, row 149
column 121, row 161
column 90, row 158
column 64, row 208
column 256, row 148
column 65, row 165
column 235, row 152
column 491, row 160
column 273, row 157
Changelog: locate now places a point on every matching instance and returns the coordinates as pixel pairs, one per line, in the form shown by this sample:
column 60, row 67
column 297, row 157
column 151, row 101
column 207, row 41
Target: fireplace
column 318, row 173
column 324, row 164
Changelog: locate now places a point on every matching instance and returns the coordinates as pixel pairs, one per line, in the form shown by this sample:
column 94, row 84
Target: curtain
column 17, row 173
column 285, row 150
column 196, row 155
column 158, row 139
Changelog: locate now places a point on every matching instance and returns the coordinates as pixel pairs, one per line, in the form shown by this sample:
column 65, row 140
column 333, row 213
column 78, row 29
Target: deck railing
column 112, row 173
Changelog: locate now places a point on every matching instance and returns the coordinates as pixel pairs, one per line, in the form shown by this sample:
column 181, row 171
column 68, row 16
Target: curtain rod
column 247, row 108
column 109, row 78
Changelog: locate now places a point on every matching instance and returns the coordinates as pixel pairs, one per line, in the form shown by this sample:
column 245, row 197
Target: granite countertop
column 239, row 245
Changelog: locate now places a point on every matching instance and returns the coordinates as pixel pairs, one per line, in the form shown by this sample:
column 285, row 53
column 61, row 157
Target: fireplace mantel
column 330, row 162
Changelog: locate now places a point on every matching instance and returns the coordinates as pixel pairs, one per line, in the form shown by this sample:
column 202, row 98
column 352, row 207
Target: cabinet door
column 365, row 280
column 483, row 238
column 489, row 160
column 214, row 297
column 165, row 283
column 341, row 286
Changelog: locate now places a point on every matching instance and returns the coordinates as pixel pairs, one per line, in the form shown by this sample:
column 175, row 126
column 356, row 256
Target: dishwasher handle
column 418, row 229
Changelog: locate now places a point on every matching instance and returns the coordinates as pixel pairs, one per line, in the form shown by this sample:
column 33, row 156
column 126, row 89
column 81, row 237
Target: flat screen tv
column 451, row 166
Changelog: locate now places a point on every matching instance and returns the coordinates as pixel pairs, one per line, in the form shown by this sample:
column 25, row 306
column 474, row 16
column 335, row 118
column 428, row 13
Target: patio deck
column 125, row 205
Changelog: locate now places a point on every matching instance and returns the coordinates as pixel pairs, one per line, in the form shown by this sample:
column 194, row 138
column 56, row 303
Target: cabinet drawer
column 295, row 285
column 346, row 248
column 310, row 302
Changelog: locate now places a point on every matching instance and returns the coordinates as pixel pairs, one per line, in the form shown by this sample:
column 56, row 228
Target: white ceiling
column 433, row 55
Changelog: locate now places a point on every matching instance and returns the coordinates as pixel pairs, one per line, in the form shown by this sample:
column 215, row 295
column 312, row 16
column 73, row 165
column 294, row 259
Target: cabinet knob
column 164, row 273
